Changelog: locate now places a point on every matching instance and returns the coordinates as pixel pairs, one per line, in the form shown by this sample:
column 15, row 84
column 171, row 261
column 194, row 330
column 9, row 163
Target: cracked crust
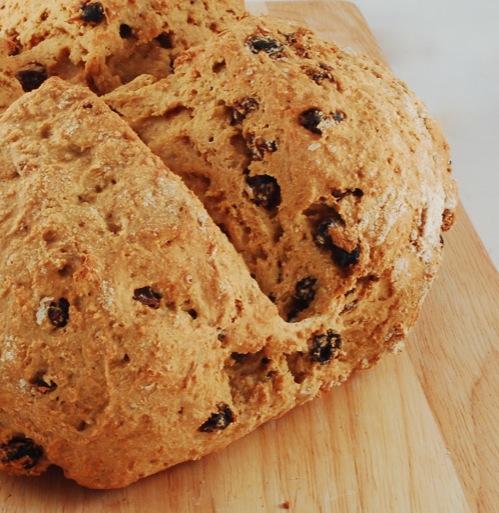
column 327, row 174
column 108, row 43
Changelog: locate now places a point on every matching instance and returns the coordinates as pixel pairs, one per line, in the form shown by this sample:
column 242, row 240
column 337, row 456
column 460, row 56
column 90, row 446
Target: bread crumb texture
column 195, row 254
column 10, row 87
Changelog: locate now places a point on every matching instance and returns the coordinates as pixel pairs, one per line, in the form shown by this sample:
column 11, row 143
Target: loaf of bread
column 191, row 256
column 107, row 43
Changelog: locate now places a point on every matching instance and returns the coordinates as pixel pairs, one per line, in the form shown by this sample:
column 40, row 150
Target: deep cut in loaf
column 326, row 173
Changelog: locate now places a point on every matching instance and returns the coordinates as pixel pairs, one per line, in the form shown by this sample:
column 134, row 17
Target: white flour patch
column 107, row 294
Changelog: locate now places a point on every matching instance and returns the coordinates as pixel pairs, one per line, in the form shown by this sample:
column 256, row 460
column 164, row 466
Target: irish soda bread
column 135, row 333
column 10, row 88
column 107, row 43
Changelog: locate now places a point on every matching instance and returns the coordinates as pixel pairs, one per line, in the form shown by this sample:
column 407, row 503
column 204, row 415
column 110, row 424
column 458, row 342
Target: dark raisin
column 339, row 116
column 263, row 43
column 341, row 257
column 16, row 50
column 165, row 40
column 349, row 306
column 266, row 191
column 82, row 426
column 325, row 347
column 259, row 147
column 311, row 119
column 265, row 146
column 242, row 108
column 44, row 387
column 125, row 31
column 21, row 451
column 345, row 258
column 92, row 12
column 322, row 236
column 305, row 289
column 58, row 312
column 218, row 421
column 32, row 78
column 304, row 295
column 219, row 66
column 318, row 75
column 238, row 357
column 147, row 296
column 357, row 193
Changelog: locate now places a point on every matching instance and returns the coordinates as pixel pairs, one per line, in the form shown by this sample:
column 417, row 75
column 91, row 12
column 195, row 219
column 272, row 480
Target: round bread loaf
column 136, row 334
column 107, row 43
column 325, row 172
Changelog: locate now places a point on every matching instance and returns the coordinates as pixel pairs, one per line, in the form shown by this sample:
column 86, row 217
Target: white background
column 448, row 53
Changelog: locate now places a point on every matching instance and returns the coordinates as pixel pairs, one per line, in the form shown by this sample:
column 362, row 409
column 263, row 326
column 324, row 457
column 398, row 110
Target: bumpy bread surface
column 10, row 88
column 132, row 335
column 108, row 43
column 327, row 174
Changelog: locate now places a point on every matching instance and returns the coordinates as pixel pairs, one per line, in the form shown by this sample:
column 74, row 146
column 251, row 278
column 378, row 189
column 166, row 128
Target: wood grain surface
column 419, row 433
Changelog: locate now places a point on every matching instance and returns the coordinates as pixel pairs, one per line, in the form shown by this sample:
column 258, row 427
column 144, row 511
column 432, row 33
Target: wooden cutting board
column 419, row 433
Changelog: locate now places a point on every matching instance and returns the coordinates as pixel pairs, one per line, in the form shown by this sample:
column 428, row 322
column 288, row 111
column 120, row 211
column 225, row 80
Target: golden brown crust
column 133, row 335
column 327, row 174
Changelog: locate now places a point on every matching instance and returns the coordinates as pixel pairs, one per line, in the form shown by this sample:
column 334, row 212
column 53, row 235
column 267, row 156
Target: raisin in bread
column 327, row 174
column 126, row 317
column 107, row 43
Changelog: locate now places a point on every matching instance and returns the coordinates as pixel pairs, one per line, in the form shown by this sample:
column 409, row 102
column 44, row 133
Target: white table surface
column 448, row 53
